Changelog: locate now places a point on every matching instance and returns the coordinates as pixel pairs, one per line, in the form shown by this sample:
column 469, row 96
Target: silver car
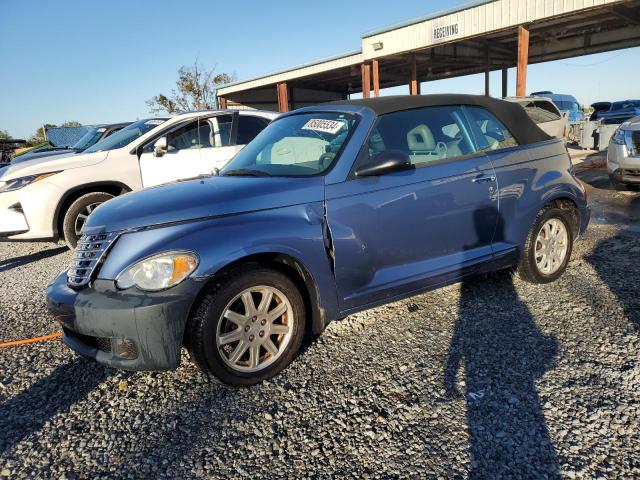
column 545, row 114
column 623, row 154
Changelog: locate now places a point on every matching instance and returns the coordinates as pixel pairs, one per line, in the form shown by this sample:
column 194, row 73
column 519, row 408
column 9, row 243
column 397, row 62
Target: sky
column 98, row 62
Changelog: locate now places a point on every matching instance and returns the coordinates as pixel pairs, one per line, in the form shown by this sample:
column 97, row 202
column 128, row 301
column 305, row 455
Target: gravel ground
column 493, row 378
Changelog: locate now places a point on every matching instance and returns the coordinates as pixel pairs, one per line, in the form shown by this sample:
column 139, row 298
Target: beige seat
column 423, row 145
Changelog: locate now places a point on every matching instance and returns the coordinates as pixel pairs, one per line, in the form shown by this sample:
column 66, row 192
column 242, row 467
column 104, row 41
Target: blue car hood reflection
column 202, row 198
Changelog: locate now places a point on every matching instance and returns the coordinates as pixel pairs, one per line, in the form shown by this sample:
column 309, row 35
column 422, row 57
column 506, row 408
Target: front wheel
column 548, row 247
column 248, row 327
column 77, row 214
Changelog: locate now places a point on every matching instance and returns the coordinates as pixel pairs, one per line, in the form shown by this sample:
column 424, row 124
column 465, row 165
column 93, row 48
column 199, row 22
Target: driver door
column 194, row 148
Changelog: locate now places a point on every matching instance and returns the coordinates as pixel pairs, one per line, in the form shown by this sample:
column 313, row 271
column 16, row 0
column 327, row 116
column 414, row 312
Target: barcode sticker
column 320, row 125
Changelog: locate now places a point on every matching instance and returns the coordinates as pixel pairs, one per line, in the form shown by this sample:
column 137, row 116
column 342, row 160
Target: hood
column 51, row 164
column 202, row 198
column 53, row 153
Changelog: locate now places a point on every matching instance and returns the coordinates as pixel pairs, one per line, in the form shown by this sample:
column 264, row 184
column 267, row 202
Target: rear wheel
column 77, row 214
column 248, row 327
column 548, row 247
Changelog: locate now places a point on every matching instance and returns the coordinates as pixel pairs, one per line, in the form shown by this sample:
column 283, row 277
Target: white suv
column 50, row 198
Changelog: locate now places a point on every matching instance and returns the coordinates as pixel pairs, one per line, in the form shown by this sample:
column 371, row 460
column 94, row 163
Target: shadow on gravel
column 27, row 412
column 11, row 263
column 503, row 353
column 616, row 261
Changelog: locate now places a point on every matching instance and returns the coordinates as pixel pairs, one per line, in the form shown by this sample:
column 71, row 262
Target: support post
column 283, row 97
column 414, row 84
column 222, row 103
column 366, row 80
column 523, row 60
column 505, row 81
column 486, row 72
column 376, row 78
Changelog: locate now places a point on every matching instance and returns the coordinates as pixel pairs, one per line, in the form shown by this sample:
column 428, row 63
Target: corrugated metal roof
column 431, row 16
column 327, row 60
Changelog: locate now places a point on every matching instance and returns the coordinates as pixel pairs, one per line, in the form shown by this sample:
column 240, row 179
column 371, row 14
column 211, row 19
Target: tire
column 620, row 186
column 204, row 335
column 529, row 269
column 72, row 217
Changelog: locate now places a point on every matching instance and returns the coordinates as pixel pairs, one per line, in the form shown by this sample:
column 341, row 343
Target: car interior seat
column 423, row 146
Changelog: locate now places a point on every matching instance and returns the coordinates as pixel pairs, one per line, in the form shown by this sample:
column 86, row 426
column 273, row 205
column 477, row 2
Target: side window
column 193, row 135
column 541, row 111
column 426, row 135
column 200, row 133
column 490, row 132
column 249, row 127
column 220, row 130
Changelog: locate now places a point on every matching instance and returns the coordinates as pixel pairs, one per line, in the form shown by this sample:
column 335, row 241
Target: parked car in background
column 93, row 136
column 7, row 148
column 598, row 109
column 544, row 113
column 566, row 103
column 51, row 198
column 623, row 155
column 331, row 210
column 621, row 112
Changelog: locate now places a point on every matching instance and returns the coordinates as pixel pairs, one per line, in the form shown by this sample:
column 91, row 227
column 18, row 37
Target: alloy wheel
column 551, row 246
column 255, row 328
column 83, row 215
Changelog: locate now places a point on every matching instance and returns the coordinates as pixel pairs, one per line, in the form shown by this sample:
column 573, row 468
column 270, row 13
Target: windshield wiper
column 245, row 172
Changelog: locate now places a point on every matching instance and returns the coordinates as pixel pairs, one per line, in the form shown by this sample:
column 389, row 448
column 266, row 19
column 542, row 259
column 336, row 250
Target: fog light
column 124, row 348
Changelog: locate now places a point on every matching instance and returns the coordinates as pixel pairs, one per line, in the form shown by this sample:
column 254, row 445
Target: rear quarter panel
column 529, row 177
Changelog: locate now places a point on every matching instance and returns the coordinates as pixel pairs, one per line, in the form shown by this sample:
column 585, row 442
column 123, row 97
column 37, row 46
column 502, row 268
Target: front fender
column 295, row 231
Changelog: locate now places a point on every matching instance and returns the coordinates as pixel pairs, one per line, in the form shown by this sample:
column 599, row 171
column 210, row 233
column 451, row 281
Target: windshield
column 567, row 105
column 88, row 139
column 126, row 135
column 299, row 145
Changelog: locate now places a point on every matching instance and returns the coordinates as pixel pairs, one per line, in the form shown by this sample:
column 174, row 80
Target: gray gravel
column 490, row 379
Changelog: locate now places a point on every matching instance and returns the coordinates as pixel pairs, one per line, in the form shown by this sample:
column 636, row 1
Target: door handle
column 483, row 179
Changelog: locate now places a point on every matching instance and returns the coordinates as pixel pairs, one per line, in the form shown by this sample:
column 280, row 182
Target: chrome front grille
column 88, row 256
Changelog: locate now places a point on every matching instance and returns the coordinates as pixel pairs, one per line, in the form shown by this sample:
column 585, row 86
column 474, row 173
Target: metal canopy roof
column 469, row 37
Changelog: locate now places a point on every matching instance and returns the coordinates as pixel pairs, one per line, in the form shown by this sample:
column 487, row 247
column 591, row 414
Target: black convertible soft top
column 511, row 114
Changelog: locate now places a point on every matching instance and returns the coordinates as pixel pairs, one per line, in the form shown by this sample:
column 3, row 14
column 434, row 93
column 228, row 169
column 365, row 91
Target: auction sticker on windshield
column 321, row 125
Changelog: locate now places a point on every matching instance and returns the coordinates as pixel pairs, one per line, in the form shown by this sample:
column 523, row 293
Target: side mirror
column 160, row 147
column 385, row 162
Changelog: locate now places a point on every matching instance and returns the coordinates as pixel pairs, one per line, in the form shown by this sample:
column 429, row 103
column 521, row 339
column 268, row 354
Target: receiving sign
column 320, row 125
column 444, row 31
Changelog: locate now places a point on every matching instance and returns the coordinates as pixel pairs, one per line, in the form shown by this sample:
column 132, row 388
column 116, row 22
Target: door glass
column 490, row 132
column 426, row 135
column 249, row 127
column 219, row 130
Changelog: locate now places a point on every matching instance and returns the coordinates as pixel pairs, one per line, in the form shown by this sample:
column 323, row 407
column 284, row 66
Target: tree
column 195, row 90
column 71, row 124
column 4, row 134
column 39, row 137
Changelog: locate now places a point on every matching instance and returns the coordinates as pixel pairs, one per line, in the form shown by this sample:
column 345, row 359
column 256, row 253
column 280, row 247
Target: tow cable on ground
column 43, row 338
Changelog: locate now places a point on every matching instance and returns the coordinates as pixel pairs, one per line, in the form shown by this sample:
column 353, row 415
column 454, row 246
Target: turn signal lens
column 158, row 272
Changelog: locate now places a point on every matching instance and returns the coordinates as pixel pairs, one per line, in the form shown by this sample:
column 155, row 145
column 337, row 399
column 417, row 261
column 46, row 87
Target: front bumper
column 28, row 213
column 622, row 166
column 127, row 329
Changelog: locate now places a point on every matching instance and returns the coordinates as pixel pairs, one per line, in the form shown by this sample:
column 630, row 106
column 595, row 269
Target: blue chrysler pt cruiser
column 331, row 210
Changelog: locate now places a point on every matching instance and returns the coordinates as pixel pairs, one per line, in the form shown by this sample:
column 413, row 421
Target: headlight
column 158, row 272
column 18, row 183
column 618, row 137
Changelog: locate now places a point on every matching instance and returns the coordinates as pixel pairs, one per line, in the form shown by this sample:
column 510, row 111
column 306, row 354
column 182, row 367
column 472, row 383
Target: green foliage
column 195, row 90
column 4, row 134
